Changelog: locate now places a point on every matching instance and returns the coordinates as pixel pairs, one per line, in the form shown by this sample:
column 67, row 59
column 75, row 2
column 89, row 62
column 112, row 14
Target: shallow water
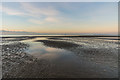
column 75, row 62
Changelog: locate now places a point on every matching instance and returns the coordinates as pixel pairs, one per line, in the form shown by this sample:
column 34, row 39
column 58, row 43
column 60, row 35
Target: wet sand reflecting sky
column 71, row 61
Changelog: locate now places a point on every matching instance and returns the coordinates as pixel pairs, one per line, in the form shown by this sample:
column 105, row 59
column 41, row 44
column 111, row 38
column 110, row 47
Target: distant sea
column 67, row 34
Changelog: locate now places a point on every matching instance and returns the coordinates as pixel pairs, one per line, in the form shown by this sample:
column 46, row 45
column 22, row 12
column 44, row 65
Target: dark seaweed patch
column 58, row 44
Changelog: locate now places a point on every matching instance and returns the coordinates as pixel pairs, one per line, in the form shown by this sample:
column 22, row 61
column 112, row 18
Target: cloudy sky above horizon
column 62, row 17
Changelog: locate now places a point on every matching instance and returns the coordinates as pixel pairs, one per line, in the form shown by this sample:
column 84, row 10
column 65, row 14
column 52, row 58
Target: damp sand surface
column 60, row 57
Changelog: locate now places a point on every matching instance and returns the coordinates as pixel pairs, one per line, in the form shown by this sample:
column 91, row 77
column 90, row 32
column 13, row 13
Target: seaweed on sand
column 58, row 44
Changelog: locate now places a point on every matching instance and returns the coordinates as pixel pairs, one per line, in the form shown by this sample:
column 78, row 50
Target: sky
column 60, row 17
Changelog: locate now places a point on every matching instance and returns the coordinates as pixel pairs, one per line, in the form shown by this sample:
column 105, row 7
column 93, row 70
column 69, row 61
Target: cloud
column 28, row 9
column 41, row 11
column 46, row 20
column 51, row 19
column 37, row 15
column 35, row 21
column 11, row 11
column 0, row 8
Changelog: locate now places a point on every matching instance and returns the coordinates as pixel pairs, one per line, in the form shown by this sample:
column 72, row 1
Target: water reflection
column 38, row 50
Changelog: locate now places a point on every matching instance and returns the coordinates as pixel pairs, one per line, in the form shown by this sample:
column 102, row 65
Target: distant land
column 5, row 32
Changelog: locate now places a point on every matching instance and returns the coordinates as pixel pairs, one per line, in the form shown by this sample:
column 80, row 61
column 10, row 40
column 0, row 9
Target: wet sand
column 96, row 58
